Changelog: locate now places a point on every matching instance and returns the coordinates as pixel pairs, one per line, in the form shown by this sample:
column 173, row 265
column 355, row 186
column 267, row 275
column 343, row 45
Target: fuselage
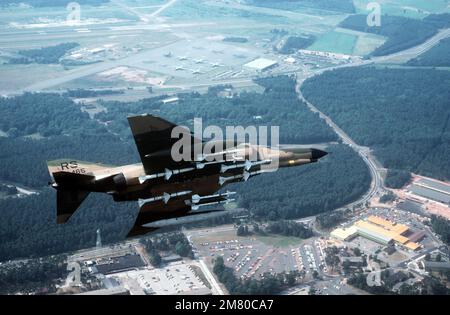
column 215, row 173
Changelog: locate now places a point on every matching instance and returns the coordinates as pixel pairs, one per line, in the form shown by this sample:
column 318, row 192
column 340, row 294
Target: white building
column 261, row 64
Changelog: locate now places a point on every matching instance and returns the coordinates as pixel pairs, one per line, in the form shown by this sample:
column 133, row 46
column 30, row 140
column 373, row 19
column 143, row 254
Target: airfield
column 164, row 44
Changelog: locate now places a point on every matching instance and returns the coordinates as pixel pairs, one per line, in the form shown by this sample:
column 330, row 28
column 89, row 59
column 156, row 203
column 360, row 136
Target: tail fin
column 72, row 180
column 68, row 201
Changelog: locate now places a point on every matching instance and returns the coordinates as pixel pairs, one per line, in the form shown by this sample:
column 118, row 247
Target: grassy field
column 336, row 42
column 367, row 43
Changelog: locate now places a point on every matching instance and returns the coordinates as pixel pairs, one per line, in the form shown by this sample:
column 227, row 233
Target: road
column 416, row 50
column 217, row 290
column 377, row 183
column 376, row 186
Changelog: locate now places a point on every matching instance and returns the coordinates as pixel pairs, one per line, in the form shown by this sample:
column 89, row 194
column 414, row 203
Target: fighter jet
column 168, row 191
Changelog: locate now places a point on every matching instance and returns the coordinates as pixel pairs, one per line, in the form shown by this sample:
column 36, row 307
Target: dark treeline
column 389, row 278
column 45, row 55
column 397, row 178
column 33, row 276
column 388, row 197
column 270, row 284
column 437, row 56
column 289, row 228
column 403, row 114
column 294, row 43
column 442, row 227
column 82, row 93
column 331, row 219
column 176, row 243
column 402, row 32
column 44, row 113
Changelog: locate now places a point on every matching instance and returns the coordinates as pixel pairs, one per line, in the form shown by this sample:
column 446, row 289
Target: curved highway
column 376, row 186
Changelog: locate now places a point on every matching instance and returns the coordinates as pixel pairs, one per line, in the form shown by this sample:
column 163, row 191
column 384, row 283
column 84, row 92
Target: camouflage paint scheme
column 166, row 189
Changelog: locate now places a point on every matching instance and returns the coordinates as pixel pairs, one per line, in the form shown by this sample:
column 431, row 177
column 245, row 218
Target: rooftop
column 398, row 228
column 260, row 64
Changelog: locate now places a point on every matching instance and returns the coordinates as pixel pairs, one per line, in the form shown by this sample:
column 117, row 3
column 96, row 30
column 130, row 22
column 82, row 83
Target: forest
column 44, row 55
column 427, row 286
column 289, row 228
column 294, row 43
column 329, row 220
column 175, row 243
column 32, row 276
column 66, row 132
column 397, row 178
column 441, row 226
column 402, row 114
column 437, row 56
column 401, row 32
column 84, row 93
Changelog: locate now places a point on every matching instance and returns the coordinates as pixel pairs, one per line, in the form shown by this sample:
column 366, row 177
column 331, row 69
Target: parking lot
column 253, row 257
column 175, row 278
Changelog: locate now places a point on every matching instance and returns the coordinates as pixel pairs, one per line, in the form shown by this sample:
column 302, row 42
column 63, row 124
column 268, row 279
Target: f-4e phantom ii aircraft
column 168, row 191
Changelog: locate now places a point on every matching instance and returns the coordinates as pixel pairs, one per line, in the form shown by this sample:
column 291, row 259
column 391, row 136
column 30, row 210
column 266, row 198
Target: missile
column 223, row 180
column 200, row 166
column 247, row 175
column 191, row 217
column 167, row 174
column 203, row 157
column 221, row 202
column 164, row 197
column 197, row 199
column 247, row 165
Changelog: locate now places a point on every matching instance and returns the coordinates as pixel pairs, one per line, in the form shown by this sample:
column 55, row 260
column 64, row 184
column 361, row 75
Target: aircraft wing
column 163, row 206
column 156, row 211
column 153, row 137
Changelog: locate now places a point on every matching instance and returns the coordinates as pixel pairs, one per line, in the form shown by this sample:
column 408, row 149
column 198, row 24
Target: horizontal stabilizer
column 68, row 201
column 138, row 230
column 66, row 179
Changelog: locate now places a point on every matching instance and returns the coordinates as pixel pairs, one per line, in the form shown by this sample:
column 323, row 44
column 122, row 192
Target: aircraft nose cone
column 317, row 154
